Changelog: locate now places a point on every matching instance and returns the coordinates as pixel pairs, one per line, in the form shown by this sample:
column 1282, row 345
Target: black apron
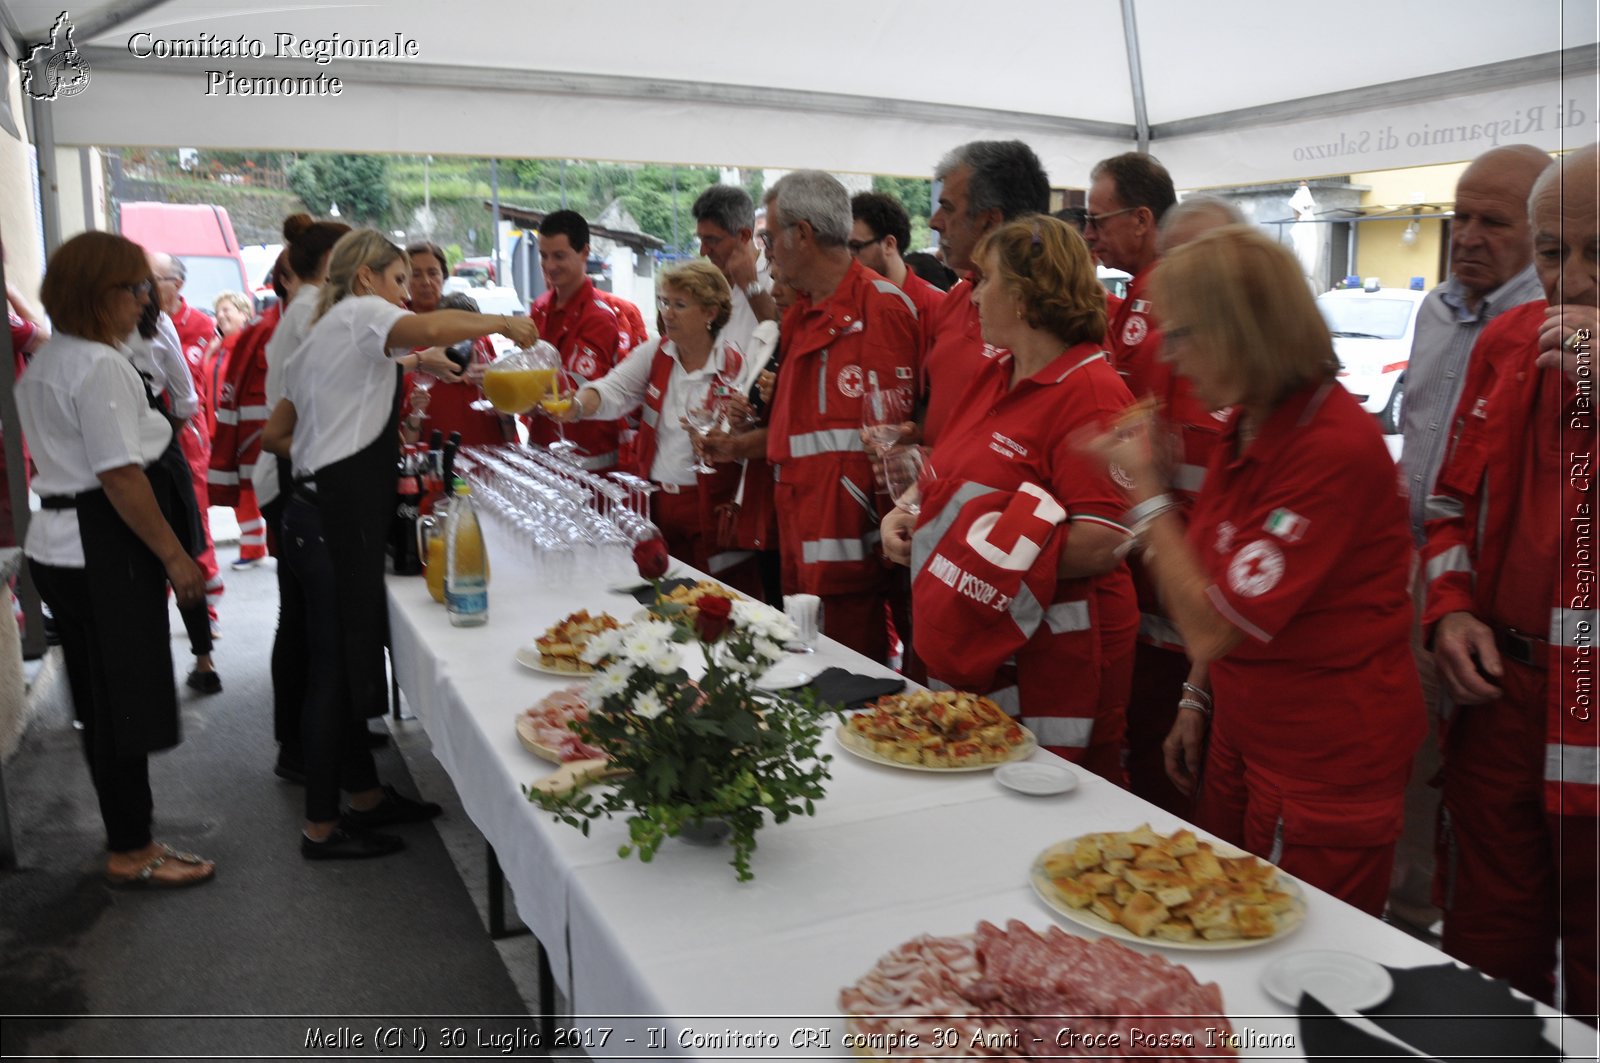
column 128, row 605
column 355, row 497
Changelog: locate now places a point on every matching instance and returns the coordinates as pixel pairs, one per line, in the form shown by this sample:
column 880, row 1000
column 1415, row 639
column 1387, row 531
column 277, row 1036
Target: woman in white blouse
column 338, row 422
column 103, row 549
column 665, row 375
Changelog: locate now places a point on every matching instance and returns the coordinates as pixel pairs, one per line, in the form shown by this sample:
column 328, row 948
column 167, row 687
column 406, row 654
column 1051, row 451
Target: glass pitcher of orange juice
column 517, row 380
column 430, row 547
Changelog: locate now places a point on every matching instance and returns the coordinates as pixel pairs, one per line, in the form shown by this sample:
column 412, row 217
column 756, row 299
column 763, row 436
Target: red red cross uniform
column 195, row 332
column 926, row 299
column 1159, row 665
column 1003, row 436
column 952, row 351
column 588, row 335
column 240, row 413
column 827, row 514
column 1510, row 540
column 1318, row 710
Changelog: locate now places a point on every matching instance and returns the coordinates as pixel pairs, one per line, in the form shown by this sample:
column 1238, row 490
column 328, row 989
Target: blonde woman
column 338, row 424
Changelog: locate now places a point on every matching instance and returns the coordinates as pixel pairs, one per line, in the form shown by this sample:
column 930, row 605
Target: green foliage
column 916, row 196
column 354, row 182
column 453, row 256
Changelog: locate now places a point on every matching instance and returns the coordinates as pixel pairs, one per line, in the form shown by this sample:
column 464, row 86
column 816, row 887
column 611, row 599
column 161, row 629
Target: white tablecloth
column 891, row 854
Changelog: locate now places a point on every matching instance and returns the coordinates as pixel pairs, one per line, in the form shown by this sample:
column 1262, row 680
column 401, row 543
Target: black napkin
column 1450, row 1012
column 837, row 688
column 645, row 594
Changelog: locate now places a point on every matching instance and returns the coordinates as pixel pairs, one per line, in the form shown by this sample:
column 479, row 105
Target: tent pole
column 494, row 223
column 1141, row 115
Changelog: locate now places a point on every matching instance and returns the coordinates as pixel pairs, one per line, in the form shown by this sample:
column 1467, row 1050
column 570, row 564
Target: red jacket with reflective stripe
column 1474, row 520
column 827, row 349
column 241, row 411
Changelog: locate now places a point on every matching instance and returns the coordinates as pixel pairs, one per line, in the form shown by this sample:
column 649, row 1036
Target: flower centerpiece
column 695, row 750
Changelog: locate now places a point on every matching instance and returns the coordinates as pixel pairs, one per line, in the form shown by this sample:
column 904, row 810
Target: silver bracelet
column 1197, row 693
column 1147, row 510
column 1195, row 706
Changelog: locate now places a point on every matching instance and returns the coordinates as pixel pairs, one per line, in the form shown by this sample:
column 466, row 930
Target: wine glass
column 701, row 412
column 907, row 473
column 556, row 402
column 423, row 381
column 883, row 411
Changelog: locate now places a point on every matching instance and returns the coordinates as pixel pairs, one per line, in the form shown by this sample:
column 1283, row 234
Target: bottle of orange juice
column 466, row 563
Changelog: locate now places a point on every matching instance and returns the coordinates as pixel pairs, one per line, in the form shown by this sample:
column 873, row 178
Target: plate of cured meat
column 927, row 730
column 544, row 732
column 977, row 994
column 1172, row 890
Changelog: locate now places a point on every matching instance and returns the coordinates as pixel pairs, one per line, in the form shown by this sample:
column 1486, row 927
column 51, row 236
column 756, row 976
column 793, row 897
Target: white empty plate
column 787, row 675
column 1343, row 981
column 1031, row 777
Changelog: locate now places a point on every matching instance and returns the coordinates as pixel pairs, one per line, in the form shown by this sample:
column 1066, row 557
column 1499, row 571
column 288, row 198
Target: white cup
column 805, row 612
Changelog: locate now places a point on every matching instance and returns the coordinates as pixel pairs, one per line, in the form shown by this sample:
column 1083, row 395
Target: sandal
column 146, row 878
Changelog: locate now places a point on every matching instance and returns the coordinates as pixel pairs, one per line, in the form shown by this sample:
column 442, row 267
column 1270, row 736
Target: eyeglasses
column 858, row 246
column 169, row 280
column 766, row 235
column 139, row 289
column 1097, row 220
column 680, row 305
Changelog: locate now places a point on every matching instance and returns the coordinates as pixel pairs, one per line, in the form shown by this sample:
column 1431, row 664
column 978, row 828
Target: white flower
column 763, row 621
column 665, row 662
column 601, row 645
column 609, row 683
column 767, row 650
column 649, row 705
column 639, row 646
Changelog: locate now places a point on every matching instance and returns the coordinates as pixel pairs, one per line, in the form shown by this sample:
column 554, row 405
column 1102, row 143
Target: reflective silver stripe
column 1455, row 559
column 1576, row 765
column 861, row 499
column 220, row 478
column 888, row 288
column 1442, row 507
column 1566, row 625
column 1189, row 478
column 596, row 462
column 815, row 551
column 1007, row 699
column 726, row 560
column 822, row 382
column 1159, row 629
column 1026, row 612
column 1072, row 731
column 227, row 416
column 1067, row 616
column 650, row 416
column 1276, row 855
column 826, row 441
column 254, row 413
column 926, row 538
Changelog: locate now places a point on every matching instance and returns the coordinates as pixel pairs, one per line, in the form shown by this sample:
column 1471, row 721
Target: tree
column 355, row 182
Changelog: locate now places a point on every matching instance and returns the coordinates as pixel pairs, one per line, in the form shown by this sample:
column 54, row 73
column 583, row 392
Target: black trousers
column 288, row 656
column 333, row 739
column 121, row 782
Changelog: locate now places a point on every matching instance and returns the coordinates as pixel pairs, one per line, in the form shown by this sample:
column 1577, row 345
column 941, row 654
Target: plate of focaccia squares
column 1175, row 890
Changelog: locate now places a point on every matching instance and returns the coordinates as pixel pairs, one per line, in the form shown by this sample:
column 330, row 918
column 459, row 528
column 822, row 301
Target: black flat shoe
column 204, row 682
column 394, row 808
column 345, row 844
column 290, row 770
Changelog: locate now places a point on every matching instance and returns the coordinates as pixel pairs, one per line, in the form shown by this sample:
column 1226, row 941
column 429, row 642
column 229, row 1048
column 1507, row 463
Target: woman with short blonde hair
column 1289, row 580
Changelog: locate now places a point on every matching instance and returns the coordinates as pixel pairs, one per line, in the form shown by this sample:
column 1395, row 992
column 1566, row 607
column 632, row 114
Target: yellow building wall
column 1379, row 251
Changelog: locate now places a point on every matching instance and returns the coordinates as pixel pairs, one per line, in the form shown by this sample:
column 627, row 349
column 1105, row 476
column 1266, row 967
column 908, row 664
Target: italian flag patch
column 1287, row 525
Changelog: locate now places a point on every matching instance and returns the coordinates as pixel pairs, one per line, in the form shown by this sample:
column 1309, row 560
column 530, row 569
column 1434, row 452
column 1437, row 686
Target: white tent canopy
column 1230, row 91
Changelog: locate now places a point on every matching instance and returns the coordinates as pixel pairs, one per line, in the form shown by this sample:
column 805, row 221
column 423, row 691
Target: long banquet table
column 890, row 854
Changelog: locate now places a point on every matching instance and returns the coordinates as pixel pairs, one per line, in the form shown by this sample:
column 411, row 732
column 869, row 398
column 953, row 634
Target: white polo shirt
column 293, row 326
column 84, row 412
column 342, row 382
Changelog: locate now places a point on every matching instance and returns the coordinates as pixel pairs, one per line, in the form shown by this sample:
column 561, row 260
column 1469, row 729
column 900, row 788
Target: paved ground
column 273, row 936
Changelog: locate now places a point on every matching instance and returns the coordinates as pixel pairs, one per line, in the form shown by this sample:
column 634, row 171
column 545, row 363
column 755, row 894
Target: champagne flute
column 907, row 472
column 556, row 402
column 883, row 411
column 701, row 412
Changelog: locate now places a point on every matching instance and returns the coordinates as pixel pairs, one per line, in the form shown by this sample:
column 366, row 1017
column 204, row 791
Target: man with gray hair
column 724, row 221
column 1193, row 217
column 848, row 329
column 1510, row 571
column 1491, row 271
column 983, row 185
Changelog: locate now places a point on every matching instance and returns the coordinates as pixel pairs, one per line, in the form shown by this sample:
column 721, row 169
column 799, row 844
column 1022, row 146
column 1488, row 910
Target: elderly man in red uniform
column 196, row 330
column 580, row 325
column 1128, row 196
column 983, row 185
column 847, row 324
column 1510, row 572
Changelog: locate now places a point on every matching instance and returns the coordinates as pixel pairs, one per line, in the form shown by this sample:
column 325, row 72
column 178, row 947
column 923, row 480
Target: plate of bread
column 1174, row 891
column 559, row 651
column 925, row 730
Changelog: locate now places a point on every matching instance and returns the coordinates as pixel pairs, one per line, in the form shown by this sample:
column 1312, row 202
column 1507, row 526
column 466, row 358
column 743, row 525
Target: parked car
column 1372, row 332
column 202, row 236
column 495, row 300
column 476, row 271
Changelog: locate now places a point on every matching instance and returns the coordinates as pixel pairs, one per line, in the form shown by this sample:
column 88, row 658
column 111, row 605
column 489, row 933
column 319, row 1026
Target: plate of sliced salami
column 978, row 994
column 927, row 730
column 1175, row 891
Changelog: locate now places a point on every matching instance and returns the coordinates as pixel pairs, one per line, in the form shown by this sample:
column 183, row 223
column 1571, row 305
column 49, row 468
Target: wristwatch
column 755, row 288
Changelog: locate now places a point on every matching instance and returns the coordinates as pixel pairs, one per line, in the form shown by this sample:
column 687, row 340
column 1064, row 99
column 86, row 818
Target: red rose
column 650, row 555
column 712, row 620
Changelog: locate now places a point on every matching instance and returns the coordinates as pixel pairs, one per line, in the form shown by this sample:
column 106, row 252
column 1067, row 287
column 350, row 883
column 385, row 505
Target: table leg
column 497, row 900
